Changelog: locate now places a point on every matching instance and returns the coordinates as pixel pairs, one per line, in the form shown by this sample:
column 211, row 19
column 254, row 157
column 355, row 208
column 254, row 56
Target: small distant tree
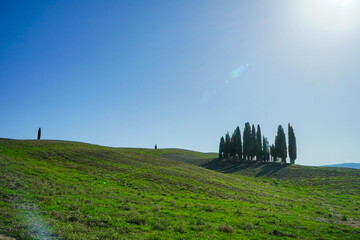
column 155, row 146
column 292, row 144
column 280, row 144
column 39, row 134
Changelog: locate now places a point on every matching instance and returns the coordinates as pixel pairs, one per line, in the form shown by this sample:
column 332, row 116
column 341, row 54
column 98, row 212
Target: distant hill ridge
column 345, row 165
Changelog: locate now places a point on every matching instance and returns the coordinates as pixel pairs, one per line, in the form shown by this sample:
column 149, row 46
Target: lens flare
column 238, row 71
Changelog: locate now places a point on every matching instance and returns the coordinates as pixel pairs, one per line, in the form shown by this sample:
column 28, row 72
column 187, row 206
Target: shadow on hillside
column 250, row 168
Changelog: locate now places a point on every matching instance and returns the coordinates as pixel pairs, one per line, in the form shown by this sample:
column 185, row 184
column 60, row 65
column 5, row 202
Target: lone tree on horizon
column 155, row 146
column 39, row 134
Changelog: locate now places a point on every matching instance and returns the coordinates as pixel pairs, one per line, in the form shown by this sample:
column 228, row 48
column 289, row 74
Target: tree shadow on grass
column 251, row 168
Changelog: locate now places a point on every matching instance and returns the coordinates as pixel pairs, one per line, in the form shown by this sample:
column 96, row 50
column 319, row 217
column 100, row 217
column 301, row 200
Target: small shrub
column 200, row 221
column 344, row 218
column 197, row 228
column 186, row 205
column 126, row 207
column 277, row 233
column 154, row 237
column 180, row 228
column 156, row 208
column 226, row 228
column 208, row 208
column 136, row 218
column 248, row 226
column 238, row 212
column 72, row 218
column 161, row 225
column 173, row 203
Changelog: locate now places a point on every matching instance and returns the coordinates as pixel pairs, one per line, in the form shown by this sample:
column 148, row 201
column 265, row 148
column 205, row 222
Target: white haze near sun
column 333, row 16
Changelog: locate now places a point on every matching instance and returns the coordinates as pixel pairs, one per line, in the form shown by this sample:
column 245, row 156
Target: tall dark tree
column 155, row 146
column 233, row 145
column 221, row 148
column 280, row 144
column 265, row 150
column 238, row 145
column 247, row 141
column 292, row 144
column 39, row 134
column 272, row 153
column 253, row 142
column 259, row 154
column 227, row 146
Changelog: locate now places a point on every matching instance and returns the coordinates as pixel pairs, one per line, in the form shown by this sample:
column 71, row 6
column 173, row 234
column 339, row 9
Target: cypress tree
column 272, row 153
column 39, row 134
column 238, row 146
column 294, row 147
column 155, row 146
column 259, row 154
column 280, row 144
column 265, row 150
column 247, row 141
column 253, row 142
column 233, row 145
column 221, row 147
column 227, row 146
column 292, row 144
column 289, row 142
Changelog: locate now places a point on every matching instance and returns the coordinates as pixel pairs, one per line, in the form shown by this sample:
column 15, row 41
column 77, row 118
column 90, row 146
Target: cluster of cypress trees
column 254, row 145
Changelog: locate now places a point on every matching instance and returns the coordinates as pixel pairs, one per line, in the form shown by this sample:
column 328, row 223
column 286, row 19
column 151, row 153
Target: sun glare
column 342, row 2
column 331, row 15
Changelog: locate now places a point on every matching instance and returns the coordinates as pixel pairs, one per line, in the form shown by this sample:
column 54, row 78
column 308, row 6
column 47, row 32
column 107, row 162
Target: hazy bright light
column 330, row 15
column 342, row 2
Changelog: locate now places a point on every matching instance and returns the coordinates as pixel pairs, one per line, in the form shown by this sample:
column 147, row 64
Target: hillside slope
column 275, row 170
column 67, row 190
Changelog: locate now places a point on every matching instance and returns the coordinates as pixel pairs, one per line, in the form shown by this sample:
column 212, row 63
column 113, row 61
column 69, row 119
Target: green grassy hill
column 67, row 190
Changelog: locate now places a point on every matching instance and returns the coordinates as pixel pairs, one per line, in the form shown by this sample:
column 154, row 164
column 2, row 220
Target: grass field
column 68, row 190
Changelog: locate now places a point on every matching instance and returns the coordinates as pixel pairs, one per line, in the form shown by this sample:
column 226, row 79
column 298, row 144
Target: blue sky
column 183, row 73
